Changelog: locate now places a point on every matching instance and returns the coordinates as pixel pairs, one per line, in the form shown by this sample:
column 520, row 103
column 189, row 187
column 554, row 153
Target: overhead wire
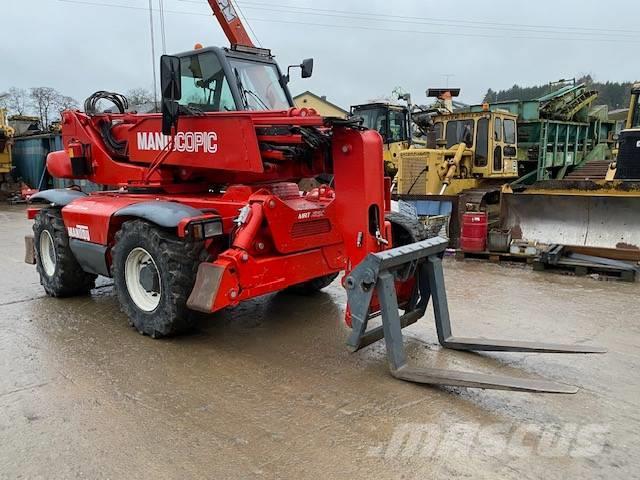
column 425, row 20
column 247, row 23
column 371, row 28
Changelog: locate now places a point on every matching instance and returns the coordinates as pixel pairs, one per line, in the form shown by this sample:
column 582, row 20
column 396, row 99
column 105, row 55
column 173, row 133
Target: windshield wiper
column 255, row 95
column 244, row 91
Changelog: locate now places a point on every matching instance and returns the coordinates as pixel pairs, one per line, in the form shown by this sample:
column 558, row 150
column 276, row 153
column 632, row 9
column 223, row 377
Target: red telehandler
column 207, row 212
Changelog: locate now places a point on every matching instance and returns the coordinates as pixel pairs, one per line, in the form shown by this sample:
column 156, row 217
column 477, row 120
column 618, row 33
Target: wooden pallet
column 495, row 257
column 581, row 269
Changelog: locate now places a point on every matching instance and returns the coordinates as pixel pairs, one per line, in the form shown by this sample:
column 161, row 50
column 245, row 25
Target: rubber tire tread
column 177, row 261
column 69, row 279
column 406, row 229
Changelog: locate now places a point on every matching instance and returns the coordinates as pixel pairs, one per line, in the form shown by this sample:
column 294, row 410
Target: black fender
column 57, row 197
column 162, row 213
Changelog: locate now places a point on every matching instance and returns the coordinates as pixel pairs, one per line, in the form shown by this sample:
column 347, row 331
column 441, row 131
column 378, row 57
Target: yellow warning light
column 197, row 46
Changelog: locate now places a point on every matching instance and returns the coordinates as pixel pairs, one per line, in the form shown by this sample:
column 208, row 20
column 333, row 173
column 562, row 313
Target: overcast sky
column 362, row 48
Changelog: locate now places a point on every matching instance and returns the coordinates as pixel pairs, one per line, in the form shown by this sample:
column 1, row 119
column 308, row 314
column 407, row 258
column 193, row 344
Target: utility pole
column 153, row 56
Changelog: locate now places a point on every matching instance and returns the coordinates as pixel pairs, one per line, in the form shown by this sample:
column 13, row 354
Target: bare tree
column 16, row 101
column 139, row 96
column 66, row 103
column 44, row 101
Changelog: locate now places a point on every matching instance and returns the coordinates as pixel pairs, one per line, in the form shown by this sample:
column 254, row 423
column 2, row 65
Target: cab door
column 504, row 146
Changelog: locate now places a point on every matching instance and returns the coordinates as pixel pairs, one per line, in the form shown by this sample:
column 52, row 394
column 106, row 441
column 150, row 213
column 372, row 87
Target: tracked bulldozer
column 467, row 158
column 207, row 213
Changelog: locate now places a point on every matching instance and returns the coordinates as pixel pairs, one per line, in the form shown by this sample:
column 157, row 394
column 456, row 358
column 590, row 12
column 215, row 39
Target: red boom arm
column 230, row 22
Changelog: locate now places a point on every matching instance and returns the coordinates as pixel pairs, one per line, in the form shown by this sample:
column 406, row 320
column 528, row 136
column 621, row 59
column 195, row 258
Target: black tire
column 67, row 278
column 176, row 261
column 312, row 286
column 405, row 229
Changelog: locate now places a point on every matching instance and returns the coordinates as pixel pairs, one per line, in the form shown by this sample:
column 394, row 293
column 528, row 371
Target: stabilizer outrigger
column 379, row 273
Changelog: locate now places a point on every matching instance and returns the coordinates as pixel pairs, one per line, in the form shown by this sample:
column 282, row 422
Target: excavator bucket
column 604, row 217
column 379, row 273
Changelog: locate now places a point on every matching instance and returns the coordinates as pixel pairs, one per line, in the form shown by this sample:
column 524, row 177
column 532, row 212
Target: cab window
column 482, row 143
column 497, row 130
column 374, row 119
column 260, row 83
column 397, row 127
column 437, row 128
column 509, row 132
column 204, row 85
column 636, row 116
column 459, row 131
column 497, row 159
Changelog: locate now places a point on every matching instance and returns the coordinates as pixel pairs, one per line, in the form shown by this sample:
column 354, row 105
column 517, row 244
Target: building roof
column 320, row 98
column 619, row 114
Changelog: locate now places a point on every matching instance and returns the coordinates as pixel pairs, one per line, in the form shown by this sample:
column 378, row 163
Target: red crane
column 203, row 210
column 230, row 22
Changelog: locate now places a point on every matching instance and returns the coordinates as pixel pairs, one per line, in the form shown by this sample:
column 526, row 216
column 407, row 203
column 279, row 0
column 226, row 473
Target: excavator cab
column 393, row 124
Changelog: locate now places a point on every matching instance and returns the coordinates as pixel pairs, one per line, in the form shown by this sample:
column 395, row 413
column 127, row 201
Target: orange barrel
column 475, row 228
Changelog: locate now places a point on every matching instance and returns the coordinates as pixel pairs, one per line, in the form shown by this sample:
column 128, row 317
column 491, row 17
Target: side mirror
column 171, row 89
column 307, row 67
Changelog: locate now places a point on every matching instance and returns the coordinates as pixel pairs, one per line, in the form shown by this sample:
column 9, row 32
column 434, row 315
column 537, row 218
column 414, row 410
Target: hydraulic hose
column 247, row 234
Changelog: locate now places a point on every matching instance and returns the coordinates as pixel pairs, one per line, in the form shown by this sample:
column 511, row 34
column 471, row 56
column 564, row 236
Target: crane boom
column 230, row 22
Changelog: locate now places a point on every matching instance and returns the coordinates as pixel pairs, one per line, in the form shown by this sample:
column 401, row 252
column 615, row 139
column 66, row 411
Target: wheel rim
column 137, row 269
column 48, row 257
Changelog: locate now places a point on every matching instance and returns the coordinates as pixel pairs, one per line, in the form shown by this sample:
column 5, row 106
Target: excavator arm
column 230, row 22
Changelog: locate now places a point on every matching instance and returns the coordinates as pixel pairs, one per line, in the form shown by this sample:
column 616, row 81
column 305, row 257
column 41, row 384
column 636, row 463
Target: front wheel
column 60, row 273
column 154, row 273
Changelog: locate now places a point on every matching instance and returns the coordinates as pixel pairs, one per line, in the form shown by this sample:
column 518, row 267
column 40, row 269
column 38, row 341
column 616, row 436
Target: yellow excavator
column 393, row 123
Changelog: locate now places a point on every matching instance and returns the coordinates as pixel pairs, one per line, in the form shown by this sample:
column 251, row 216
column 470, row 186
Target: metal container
column 30, row 157
column 499, row 240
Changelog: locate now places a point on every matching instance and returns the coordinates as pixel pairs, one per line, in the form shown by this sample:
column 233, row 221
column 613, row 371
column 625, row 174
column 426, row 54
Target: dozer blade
column 594, row 218
column 378, row 273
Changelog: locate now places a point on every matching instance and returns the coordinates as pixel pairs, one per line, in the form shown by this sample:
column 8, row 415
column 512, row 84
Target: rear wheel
column 60, row 273
column 154, row 273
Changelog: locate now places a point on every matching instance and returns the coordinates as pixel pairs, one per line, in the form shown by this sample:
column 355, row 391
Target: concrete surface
column 268, row 390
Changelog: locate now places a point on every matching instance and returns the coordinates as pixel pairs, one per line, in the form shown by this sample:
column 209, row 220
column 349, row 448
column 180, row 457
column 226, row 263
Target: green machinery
column 559, row 131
